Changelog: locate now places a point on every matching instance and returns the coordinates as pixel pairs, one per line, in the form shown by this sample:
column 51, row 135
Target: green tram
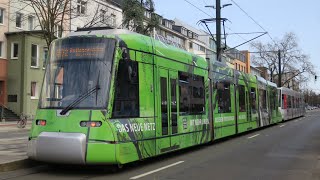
column 114, row 97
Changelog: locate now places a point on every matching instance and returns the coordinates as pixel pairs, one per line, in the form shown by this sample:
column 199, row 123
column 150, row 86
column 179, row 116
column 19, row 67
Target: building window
column 34, row 90
column 34, row 55
column 126, row 100
column 12, row 98
column 81, row 7
column 113, row 20
column 191, row 88
column 14, row 50
column 1, row 51
column 201, row 48
column 147, row 14
column 58, row 31
column 1, row 15
column 45, row 56
column 190, row 45
column 18, row 20
column 102, row 15
column 30, row 22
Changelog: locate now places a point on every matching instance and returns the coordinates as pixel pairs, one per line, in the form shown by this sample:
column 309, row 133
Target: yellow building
column 241, row 61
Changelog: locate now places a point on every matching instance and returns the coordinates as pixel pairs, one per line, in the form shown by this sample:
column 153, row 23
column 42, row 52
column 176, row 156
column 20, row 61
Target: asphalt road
column 286, row 151
column 13, row 132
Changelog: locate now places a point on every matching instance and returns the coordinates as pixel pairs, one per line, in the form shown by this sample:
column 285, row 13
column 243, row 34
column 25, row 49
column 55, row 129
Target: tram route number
column 136, row 127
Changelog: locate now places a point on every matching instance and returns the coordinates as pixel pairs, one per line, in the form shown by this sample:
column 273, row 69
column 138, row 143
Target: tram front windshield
column 78, row 73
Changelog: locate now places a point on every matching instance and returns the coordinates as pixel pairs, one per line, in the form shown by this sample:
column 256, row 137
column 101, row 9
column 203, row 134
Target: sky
column 277, row 17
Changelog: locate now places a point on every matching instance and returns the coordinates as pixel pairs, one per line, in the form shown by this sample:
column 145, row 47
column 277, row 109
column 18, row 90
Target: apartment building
column 4, row 26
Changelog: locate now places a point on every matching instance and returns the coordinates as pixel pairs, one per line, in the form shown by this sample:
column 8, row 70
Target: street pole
column 218, row 29
column 279, row 56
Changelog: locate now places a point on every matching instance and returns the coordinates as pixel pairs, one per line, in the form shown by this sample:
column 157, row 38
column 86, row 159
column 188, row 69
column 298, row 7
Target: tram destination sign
column 80, row 49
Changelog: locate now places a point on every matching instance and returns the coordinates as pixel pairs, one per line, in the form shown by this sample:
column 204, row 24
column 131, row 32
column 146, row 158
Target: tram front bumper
column 58, row 147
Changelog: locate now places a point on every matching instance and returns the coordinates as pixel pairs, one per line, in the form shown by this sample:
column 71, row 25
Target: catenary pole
column 218, row 29
column 279, row 56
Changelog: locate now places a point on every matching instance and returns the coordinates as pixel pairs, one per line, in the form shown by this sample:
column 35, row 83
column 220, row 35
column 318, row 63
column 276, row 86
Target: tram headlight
column 90, row 123
column 41, row 122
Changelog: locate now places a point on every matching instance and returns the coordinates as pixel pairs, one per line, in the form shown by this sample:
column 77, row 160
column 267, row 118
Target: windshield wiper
column 79, row 99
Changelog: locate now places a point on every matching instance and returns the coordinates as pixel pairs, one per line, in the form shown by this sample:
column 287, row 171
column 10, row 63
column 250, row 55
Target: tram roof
column 147, row 44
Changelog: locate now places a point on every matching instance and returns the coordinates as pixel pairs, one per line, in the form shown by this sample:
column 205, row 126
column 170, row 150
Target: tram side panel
column 224, row 102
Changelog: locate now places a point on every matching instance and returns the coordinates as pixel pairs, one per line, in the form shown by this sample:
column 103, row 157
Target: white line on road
column 282, row 125
column 156, row 170
column 253, row 136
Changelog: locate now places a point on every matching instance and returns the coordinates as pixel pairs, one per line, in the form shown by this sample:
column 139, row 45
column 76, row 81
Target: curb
column 18, row 164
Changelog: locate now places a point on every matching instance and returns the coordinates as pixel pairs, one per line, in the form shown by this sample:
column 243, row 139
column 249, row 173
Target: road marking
column 282, row 125
column 156, row 170
column 295, row 120
column 253, row 136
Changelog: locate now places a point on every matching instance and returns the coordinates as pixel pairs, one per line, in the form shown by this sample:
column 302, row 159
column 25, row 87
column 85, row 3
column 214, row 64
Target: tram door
column 167, row 116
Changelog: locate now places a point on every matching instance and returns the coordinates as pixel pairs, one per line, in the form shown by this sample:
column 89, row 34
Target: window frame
column 1, row 49
column 189, row 92
column 36, row 93
column 134, row 83
column 12, row 50
column 225, row 94
column 44, row 57
column 37, row 56
column 31, row 25
column 18, row 13
column 242, row 96
column 2, row 12
column 103, row 15
column 113, row 19
column 81, row 6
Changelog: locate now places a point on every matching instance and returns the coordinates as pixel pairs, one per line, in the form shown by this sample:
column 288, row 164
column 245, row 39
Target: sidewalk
column 13, row 146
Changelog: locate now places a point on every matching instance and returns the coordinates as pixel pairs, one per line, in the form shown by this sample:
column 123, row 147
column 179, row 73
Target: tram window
column 289, row 101
column 283, row 101
column 126, row 101
column 191, row 88
column 173, row 84
column 164, row 106
column 279, row 96
column 242, row 98
column 223, row 97
column 263, row 98
column 273, row 99
column 253, row 100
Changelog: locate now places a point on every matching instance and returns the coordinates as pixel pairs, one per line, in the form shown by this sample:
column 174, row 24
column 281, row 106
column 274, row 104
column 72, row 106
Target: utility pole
column 279, row 56
column 218, row 29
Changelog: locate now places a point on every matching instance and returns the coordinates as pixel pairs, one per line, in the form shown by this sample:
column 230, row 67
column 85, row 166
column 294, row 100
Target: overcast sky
column 275, row 16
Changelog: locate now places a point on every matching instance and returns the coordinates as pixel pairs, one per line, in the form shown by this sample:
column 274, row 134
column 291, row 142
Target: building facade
column 26, row 66
column 97, row 13
column 4, row 27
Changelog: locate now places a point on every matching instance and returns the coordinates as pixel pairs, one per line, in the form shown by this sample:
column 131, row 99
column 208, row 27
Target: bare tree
column 295, row 65
column 54, row 16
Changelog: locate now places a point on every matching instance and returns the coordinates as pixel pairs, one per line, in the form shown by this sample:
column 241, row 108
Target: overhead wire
column 254, row 21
